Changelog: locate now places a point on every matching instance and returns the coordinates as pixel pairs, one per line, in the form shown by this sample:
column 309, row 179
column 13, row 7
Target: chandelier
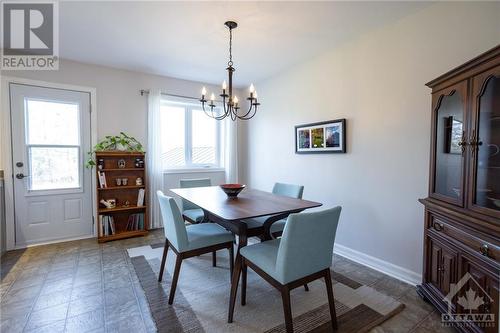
column 230, row 102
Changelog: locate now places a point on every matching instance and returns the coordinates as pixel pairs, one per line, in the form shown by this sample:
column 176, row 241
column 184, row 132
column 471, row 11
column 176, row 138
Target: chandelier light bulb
column 212, row 97
column 252, row 89
column 203, row 91
column 255, row 94
column 224, row 85
column 235, row 100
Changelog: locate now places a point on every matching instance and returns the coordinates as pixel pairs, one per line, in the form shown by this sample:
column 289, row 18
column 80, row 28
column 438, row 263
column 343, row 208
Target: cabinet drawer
column 474, row 243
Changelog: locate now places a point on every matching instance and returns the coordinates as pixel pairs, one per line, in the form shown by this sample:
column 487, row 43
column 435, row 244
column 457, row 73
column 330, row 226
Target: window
column 53, row 144
column 190, row 139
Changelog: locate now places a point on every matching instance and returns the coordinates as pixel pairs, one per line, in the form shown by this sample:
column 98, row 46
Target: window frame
column 189, row 166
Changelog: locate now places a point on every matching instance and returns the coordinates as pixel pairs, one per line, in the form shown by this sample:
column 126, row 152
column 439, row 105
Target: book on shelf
column 102, row 179
column 107, row 225
column 140, row 198
column 135, row 222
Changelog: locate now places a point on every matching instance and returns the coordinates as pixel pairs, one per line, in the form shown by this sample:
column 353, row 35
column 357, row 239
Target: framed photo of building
column 322, row 137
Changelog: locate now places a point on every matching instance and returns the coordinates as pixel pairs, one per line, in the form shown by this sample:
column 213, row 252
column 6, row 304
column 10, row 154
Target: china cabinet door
column 484, row 144
column 448, row 144
column 480, row 293
column 442, row 269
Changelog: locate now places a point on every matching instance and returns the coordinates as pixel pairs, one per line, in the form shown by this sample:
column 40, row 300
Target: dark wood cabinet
column 462, row 212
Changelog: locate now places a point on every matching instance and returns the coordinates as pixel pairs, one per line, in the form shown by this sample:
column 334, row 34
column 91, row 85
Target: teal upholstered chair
column 258, row 226
column 189, row 241
column 303, row 254
column 190, row 211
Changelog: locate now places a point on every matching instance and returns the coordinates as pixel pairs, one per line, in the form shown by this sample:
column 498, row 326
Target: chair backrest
column 288, row 190
column 187, row 183
column 173, row 223
column 306, row 246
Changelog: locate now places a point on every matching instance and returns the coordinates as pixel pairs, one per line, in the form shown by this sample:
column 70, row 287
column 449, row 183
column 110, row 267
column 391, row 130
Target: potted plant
column 122, row 142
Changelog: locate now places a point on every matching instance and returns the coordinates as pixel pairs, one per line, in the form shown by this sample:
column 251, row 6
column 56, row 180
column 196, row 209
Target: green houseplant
column 122, row 142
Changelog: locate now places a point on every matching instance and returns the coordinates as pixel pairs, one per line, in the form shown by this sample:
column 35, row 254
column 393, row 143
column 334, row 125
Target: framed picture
column 322, row 137
column 453, row 132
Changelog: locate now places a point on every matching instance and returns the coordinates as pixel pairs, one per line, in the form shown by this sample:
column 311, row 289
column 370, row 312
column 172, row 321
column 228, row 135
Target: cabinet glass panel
column 449, row 129
column 487, row 190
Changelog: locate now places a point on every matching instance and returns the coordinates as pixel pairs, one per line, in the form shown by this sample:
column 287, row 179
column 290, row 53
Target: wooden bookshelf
column 124, row 226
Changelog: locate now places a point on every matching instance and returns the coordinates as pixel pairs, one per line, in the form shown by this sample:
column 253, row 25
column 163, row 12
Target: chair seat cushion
column 264, row 255
column 258, row 222
column 195, row 215
column 206, row 234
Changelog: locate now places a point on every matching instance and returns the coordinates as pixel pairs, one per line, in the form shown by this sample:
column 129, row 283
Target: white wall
column 377, row 83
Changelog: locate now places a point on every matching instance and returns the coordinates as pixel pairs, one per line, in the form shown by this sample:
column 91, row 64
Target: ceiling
column 188, row 39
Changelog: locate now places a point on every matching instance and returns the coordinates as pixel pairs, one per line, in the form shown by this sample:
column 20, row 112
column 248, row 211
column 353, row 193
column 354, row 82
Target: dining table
column 230, row 213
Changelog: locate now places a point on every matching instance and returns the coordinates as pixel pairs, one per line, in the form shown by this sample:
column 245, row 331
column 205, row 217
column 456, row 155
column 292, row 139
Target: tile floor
column 82, row 286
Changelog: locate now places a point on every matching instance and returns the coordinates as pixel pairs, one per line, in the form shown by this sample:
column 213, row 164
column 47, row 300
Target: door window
column 53, row 145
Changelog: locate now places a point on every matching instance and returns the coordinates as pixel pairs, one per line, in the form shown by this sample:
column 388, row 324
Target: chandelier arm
column 248, row 112
column 203, row 107
column 222, row 116
column 250, row 117
column 246, row 117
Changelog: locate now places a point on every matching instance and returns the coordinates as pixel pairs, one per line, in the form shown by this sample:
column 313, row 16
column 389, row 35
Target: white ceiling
column 188, row 39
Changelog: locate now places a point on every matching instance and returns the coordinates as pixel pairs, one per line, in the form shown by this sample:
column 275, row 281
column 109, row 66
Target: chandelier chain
column 230, row 62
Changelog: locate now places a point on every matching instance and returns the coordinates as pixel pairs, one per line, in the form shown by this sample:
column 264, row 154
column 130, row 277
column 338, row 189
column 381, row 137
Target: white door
column 52, row 188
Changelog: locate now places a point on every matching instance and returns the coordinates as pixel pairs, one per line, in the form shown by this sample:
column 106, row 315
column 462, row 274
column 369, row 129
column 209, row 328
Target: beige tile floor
column 82, row 286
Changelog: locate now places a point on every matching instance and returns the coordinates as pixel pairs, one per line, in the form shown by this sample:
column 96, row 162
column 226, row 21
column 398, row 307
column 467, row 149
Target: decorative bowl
column 232, row 190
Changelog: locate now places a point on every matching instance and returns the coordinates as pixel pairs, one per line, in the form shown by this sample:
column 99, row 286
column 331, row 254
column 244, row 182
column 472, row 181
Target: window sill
column 193, row 170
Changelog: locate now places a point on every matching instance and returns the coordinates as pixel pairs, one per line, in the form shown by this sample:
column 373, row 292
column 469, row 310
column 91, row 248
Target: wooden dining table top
column 249, row 203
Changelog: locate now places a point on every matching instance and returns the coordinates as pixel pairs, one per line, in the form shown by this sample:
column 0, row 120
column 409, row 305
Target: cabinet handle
column 474, row 142
column 484, row 249
column 438, row 226
column 463, row 143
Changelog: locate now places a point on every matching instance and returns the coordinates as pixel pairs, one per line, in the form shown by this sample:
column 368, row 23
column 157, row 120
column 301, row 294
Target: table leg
column 243, row 241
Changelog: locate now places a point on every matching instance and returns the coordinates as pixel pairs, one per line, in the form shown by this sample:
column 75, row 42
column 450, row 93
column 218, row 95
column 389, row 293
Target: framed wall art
column 322, row 137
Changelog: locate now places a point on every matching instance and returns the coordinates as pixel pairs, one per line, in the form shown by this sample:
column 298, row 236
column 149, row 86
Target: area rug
column 202, row 298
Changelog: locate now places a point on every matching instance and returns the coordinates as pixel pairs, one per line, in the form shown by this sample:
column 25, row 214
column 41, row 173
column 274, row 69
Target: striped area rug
column 202, row 298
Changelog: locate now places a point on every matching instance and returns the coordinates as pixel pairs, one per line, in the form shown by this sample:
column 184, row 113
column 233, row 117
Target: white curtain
column 231, row 150
column 153, row 153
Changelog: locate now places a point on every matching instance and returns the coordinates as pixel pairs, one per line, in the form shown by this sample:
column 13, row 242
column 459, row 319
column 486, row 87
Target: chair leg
column 231, row 259
column 177, row 269
column 243, row 283
column 214, row 259
column 234, row 288
column 306, row 287
column 331, row 299
column 163, row 261
column 287, row 309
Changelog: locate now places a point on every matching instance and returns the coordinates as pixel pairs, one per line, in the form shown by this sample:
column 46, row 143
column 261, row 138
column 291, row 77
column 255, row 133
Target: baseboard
column 54, row 241
column 385, row 267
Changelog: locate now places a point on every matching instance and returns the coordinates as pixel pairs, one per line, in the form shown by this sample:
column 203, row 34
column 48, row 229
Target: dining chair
column 303, row 254
column 189, row 241
column 271, row 225
column 190, row 211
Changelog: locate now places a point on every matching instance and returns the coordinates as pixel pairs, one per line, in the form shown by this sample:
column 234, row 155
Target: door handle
column 21, row 176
